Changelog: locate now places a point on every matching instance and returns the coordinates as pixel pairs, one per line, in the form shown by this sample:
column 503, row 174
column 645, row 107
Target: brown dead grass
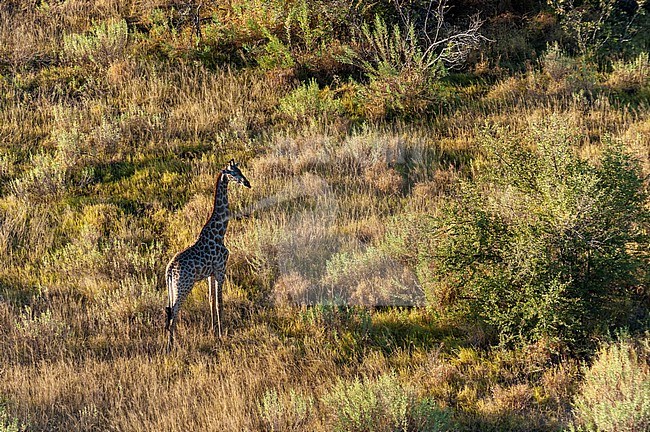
column 81, row 280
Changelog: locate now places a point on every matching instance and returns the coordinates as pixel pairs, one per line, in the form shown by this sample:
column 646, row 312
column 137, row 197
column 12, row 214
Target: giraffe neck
column 218, row 221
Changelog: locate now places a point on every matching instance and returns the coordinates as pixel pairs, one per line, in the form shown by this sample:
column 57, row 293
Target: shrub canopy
column 542, row 244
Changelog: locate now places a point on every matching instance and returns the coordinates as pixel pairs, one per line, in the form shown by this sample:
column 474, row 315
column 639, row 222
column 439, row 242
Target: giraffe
column 206, row 258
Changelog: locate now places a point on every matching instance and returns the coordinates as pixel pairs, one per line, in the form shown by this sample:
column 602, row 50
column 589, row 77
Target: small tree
column 598, row 27
column 542, row 244
column 403, row 61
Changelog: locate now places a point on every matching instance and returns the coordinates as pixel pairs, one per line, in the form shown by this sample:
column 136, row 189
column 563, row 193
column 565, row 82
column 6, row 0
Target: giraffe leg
column 170, row 323
column 178, row 293
column 170, row 300
column 219, row 299
column 220, row 275
column 168, row 311
column 212, row 297
column 170, row 341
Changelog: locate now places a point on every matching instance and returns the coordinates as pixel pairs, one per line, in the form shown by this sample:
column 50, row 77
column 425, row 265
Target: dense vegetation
column 447, row 230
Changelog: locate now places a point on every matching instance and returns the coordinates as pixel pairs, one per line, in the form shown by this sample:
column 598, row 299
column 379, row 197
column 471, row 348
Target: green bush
column 615, row 394
column 46, row 179
column 568, row 74
column 285, row 412
column 401, row 72
column 541, row 245
column 390, row 50
column 383, row 404
column 106, row 42
column 275, row 54
column 310, row 102
column 8, row 423
column 601, row 28
column 631, row 77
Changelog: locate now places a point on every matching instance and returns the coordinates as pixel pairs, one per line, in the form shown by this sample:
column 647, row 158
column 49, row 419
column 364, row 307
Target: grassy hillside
column 427, row 244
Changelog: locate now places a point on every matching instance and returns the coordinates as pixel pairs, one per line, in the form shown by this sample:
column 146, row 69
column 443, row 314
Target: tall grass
column 115, row 119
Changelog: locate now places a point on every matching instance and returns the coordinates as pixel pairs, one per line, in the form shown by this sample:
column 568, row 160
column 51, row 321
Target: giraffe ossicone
column 205, row 259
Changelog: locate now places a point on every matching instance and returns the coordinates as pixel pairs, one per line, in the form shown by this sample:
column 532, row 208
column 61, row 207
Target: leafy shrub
column 285, row 412
column 390, row 51
column 556, row 63
column 407, row 94
column 300, row 36
column 40, row 332
column 44, row 181
column 51, row 175
column 276, row 54
column 560, row 75
column 615, row 394
column 404, row 62
column 41, row 326
column 309, row 101
column 568, row 74
column 9, row 424
column 383, row 404
column 106, row 42
column 401, row 72
column 541, row 245
column 596, row 28
column 631, row 77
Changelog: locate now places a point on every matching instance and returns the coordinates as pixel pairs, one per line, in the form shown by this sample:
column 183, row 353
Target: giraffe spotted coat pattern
column 206, row 258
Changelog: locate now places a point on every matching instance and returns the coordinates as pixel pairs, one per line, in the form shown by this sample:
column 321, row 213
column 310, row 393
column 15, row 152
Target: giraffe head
column 232, row 173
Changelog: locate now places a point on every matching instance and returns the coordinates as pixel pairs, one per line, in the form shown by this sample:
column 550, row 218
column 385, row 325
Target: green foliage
column 9, row 424
column 600, row 28
column 541, row 245
column 289, row 35
column 309, row 102
column 382, row 404
column 615, row 393
column 41, row 326
column 107, row 41
column 569, row 75
column 46, row 179
column 275, row 53
column 631, row 76
column 307, row 29
column 285, row 412
column 302, row 16
column 402, row 73
column 53, row 174
column 390, row 52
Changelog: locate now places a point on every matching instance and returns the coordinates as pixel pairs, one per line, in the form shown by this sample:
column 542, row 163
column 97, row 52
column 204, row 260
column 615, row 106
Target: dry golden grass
column 107, row 168
column 87, row 354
